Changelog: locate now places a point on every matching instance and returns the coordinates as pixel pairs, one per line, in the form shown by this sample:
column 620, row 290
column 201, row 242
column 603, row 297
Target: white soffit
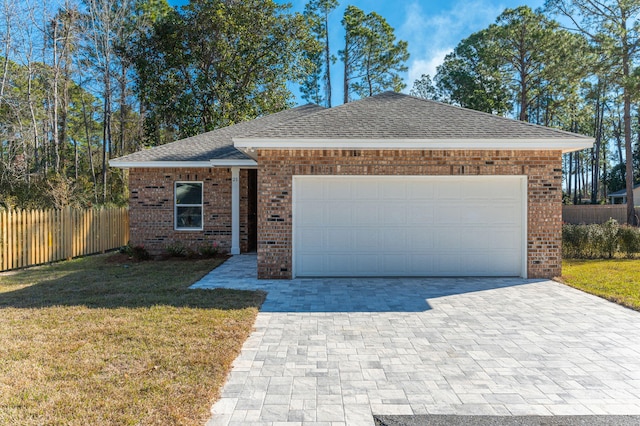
column 249, row 145
column 181, row 164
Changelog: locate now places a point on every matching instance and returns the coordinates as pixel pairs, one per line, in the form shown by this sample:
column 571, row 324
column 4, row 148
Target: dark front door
column 252, row 205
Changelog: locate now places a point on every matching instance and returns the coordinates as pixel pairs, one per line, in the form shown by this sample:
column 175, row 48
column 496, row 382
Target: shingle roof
column 214, row 145
column 398, row 116
column 623, row 192
column 383, row 121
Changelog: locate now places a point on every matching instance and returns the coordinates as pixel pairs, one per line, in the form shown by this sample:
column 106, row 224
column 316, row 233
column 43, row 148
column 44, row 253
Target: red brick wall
column 151, row 213
column 276, row 168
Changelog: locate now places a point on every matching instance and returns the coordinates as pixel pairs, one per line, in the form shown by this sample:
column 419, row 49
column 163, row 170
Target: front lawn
column 617, row 280
column 93, row 341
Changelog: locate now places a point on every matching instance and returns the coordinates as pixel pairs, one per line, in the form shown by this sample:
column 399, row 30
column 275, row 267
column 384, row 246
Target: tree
column 425, row 89
column 372, row 58
column 106, row 20
column 215, row 63
column 472, row 76
column 317, row 13
column 613, row 28
column 523, row 39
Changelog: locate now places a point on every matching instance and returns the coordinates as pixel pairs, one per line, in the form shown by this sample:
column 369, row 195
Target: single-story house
column 389, row 185
column 620, row 197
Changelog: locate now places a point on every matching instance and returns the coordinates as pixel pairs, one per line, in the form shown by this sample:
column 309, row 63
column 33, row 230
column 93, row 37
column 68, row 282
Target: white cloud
column 417, row 67
column 432, row 35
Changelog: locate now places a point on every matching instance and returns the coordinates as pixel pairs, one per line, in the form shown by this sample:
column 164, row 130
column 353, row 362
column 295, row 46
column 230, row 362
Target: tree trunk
column 596, row 150
column 89, row 154
column 631, row 212
column 56, row 101
column 7, row 48
column 327, row 58
column 75, row 154
column 123, row 101
column 106, row 137
column 576, row 181
column 569, row 188
column 626, row 95
column 345, row 83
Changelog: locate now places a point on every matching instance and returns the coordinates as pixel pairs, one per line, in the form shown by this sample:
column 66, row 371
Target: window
column 188, row 206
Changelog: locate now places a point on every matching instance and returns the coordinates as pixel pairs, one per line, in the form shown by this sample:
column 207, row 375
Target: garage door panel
column 409, row 226
column 366, row 239
column 337, row 190
column 340, row 264
column 393, row 239
column 315, row 240
column 338, row 239
column 393, row 264
column 366, row 190
column 337, row 213
column 364, row 214
column 477, row 264
column 448, row 265
column 419, row 213
column 417, row 191
column 312, row 214
column 504, row 238
column 447, row 189
column 419, row 262
column 448, row 214
column 447, row 239
column 420, row 240
column 393, row 189
column 392, row 214
column 475, row 239
column 312, row 264
column 311, row 190
column 366, row 265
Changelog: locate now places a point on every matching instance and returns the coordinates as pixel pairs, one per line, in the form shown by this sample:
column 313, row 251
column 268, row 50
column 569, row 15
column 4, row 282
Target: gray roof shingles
column 389, row 115
column 398, row 116
column 216, row 144
column 622, row 192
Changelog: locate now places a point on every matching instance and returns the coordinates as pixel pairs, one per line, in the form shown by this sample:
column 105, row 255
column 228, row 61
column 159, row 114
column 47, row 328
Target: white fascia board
column 181, row 164
column 234, row 163
column 562, row 144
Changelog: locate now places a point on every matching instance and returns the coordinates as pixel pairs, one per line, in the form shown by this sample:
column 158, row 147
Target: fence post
column 4, row 251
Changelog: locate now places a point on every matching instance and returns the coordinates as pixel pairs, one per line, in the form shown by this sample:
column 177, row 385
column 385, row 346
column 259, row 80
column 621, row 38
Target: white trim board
column 182, row 164
column 248, row 145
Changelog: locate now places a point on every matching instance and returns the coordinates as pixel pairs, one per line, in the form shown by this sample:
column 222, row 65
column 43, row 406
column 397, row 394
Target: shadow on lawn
column 96, row 283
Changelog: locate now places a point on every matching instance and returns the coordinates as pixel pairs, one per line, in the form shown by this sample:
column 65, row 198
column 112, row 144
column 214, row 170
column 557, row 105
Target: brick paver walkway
column 337, row 351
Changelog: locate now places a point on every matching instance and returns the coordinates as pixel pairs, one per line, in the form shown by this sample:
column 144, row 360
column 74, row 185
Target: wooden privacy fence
column 595, row 213
column 33, row 237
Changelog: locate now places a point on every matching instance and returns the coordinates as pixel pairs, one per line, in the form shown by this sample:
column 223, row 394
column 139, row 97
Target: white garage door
column 409, row 225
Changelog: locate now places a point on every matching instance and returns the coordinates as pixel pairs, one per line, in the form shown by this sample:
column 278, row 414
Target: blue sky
column 431, row 27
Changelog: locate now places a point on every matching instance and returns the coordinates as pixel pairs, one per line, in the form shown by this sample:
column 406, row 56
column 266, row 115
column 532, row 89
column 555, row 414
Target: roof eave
column 246, row 163
column 249, row 145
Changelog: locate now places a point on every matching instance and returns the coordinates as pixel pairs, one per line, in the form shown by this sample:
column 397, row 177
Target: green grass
column 93, row 341
column 617, row 280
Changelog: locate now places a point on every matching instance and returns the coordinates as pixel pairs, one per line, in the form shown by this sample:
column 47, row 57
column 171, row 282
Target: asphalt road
column 444, row 420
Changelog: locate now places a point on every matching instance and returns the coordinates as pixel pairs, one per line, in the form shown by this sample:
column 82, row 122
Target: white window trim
column 175, row 206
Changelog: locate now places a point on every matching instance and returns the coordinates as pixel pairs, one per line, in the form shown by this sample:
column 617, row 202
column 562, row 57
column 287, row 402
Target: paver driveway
column 336, row 351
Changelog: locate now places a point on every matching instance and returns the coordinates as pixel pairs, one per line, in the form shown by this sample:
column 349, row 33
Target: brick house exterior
column 544, row 194
column 151, row 209
column 247, row 174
